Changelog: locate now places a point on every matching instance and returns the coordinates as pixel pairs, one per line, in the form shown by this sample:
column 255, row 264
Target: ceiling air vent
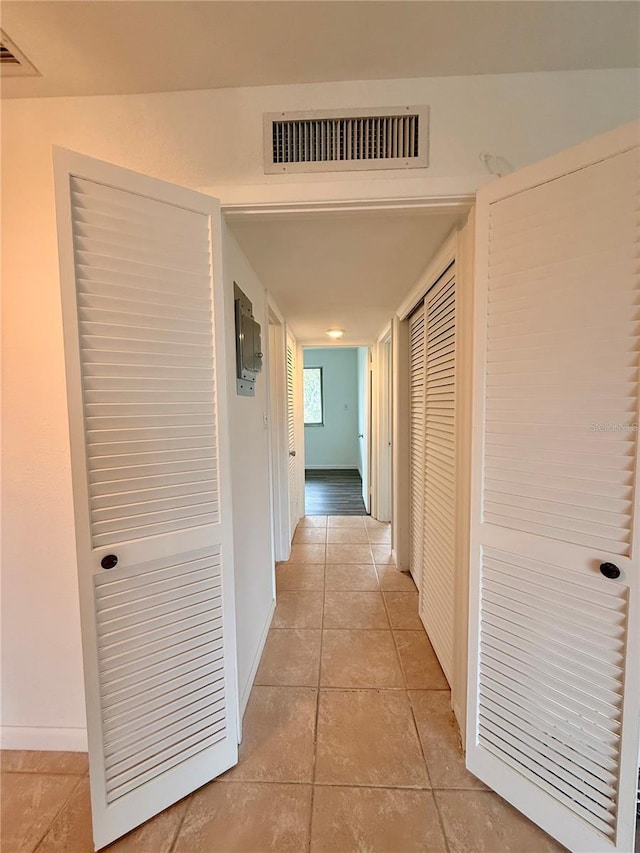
column 6, row 57
column 13, row 63
column 346, row 140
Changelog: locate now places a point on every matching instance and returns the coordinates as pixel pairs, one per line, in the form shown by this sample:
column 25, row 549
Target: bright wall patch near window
column 313, row 402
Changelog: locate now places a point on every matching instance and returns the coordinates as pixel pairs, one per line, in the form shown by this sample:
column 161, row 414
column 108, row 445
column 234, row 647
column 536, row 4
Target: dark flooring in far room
column 333, row 492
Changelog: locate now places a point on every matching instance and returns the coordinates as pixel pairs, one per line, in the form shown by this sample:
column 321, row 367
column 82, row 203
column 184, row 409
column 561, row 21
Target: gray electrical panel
column 248, row 344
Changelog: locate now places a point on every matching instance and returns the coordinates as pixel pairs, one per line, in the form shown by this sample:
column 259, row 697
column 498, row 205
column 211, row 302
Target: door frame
column 456, row 247
column 364, row 418
column 268, row 211
column 381, row 431
column 277, row 417
column 298, row 414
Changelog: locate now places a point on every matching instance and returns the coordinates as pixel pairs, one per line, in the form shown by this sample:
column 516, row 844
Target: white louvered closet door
column 553, row 692
column 294, row 501
column 144, row 346
column 416, row 442
column 437, row 584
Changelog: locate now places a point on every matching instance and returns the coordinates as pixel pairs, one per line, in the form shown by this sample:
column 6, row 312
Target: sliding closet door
column 437, row 584
column 416, row 441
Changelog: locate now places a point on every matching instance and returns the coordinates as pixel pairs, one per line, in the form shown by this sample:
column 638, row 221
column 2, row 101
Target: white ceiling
column 347, row 271
column 128, row 46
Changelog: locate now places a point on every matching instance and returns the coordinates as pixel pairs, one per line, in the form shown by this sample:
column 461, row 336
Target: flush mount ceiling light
column 335, row 333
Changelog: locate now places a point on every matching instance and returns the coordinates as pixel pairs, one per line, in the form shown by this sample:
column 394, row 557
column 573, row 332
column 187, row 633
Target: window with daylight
column 313, row 402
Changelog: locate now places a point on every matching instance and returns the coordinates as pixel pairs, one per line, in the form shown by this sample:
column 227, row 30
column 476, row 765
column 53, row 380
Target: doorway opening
column 337, row 417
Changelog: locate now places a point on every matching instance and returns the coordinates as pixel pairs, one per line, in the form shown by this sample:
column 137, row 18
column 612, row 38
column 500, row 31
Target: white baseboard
column 43, row 738
column 246, row 690
column 457, row 713
column 330, row 467
column 400, row 566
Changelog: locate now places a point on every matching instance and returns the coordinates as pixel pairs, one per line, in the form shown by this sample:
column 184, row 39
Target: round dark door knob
column 610, row 570
column 109, row 562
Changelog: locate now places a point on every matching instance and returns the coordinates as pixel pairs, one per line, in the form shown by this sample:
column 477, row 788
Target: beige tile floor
column 349, row 740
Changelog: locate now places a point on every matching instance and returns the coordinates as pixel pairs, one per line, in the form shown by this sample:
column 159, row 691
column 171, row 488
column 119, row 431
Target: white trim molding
column 284, row 209
column 246, row 690
column 347, row 467
column 44, row 738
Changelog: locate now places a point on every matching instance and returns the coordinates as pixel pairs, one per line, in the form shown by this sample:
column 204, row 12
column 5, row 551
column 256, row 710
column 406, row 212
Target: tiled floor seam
column 181, row 823
column 376, row 785
column 435, row 799
column 442, row 824
column 44, row 773
column 60, row 810
column 415, row 726
column 315, row 732
column 395, row 645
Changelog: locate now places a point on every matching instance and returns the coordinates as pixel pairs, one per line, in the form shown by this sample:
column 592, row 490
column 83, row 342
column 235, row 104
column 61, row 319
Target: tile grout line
column 315, row 733
column 417, row 732
column 433, row 796
column 295, row 628
column 399, row 657
column 58, row 813
column 187, row 808
column 442, row 825
column 377, row 785
column 42, row 772
column 406, row 691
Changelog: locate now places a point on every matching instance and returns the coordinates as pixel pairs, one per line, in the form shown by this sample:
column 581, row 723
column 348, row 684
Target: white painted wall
column 42, row 683
column 250, row 478
column 201, row 139
column 335, row 443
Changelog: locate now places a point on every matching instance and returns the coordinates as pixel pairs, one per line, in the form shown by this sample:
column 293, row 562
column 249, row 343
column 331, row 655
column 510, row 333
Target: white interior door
column 553, row 677
column 144, row 342
column 294, row 499
column 416, row 442
column 438, row 576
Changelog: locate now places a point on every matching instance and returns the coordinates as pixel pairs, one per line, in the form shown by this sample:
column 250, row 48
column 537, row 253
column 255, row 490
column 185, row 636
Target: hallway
column 349, row 741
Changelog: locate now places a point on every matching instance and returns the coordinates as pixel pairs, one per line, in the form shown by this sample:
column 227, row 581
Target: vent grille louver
column 13, row 63
column 6, row 57
column 357, row 139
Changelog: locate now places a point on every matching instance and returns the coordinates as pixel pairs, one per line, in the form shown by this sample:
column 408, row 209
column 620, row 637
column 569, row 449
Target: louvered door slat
column 416, row 440
column 555, row 680
column 291, row 389
column 107, row 395
column 438, row 576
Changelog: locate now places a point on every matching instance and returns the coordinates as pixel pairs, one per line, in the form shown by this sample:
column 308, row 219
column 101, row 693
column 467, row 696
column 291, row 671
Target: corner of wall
column 251, row 478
